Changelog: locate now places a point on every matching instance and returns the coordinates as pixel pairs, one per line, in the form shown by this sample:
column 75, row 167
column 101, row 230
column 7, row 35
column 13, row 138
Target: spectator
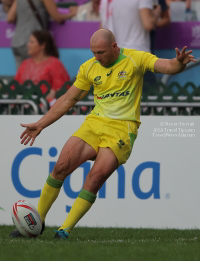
column 163, row 21
column 4, row 8
column 131, row 23
column 187, row 2
column 28, row 21
column 6, row 5
column 2, row 12
column 43, row 64
column 87, row 12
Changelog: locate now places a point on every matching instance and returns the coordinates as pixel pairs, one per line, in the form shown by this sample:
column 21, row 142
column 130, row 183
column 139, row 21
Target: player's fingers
column 32, row 141
column 189, row 52
column 184, row 49
column 24, row 125
column 24, row 138
column 27, row 140
column 193, row 60
column 190, row 56
column 177, row 51
column 23, row 133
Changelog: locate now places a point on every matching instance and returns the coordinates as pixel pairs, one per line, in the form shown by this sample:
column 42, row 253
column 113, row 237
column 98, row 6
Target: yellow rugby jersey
column 118, row 87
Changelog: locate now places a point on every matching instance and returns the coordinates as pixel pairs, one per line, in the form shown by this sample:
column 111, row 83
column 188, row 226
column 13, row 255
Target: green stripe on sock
column 87, row 195
column 53, row 182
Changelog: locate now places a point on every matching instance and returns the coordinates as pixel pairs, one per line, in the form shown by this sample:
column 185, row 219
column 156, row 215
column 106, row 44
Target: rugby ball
column 26, row 219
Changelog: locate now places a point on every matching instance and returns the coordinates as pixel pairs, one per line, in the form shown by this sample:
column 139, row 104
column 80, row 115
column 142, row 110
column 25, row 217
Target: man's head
column 104, row 47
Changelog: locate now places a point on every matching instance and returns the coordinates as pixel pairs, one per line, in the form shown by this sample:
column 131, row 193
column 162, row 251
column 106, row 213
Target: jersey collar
column 119, row 59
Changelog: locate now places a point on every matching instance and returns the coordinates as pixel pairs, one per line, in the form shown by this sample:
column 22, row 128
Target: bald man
column 109, row 131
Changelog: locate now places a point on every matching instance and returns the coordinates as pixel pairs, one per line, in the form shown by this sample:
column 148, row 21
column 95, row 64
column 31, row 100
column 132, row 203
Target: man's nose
column 97, row 56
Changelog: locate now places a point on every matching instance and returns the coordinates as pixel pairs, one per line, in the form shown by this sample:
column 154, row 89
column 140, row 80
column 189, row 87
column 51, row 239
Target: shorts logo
column 31, row 222
column 109, row 73
column 120, row 143
column 97, row 80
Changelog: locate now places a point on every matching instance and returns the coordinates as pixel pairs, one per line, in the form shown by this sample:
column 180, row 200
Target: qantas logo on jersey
column 115, row 94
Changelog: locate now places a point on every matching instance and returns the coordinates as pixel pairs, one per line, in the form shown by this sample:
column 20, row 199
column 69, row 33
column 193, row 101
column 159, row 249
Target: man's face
column 103, row 53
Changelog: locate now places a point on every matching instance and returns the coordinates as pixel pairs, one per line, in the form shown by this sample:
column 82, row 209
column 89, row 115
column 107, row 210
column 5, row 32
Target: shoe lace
column 62, row 233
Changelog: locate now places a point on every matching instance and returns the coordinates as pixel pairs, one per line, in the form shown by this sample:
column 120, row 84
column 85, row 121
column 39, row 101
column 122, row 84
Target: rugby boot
column 61, row 234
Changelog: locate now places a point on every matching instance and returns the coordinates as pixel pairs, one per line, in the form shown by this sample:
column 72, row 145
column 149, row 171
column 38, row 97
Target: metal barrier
column 164, row 105
column 90, row 105
column 78, row 105
column 151, row 105
column 21, row 104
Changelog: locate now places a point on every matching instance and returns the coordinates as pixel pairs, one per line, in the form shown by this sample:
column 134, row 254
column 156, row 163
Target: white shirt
column 122, row 17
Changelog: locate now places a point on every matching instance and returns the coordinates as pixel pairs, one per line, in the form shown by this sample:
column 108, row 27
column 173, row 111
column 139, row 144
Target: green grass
column 103, row 244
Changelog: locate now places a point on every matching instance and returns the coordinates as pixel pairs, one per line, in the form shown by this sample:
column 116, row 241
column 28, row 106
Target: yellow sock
column 48, row 196
column 81, row 205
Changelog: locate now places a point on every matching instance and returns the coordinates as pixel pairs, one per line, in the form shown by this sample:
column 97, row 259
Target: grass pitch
column 103, row 244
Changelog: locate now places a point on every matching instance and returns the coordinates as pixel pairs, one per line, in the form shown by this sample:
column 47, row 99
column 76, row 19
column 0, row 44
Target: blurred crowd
column 132, row 21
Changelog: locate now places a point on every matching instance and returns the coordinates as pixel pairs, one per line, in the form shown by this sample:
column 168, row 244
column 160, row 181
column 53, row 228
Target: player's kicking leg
column 74, row 153
column 106, row 163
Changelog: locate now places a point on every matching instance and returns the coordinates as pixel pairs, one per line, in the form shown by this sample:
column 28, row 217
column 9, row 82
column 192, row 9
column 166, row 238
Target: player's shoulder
column 137, row 56
column 88, row 64
column 131, row 52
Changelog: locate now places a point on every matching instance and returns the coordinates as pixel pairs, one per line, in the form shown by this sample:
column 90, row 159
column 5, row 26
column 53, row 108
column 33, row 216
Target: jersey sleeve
column 82, row 82
column 144, row 61
column 147, row 62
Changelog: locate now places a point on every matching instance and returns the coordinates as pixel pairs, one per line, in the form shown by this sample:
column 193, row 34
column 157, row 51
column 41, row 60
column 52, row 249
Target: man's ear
column 114, row 45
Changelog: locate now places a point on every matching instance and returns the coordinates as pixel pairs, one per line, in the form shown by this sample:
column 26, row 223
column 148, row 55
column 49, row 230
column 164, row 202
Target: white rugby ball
column 26, row 219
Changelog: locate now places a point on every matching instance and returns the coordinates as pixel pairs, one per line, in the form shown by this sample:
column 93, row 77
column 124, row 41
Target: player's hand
column 183, row 56
column 31, row 132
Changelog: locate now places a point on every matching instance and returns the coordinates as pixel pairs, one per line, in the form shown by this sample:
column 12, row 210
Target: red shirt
column 50, row 70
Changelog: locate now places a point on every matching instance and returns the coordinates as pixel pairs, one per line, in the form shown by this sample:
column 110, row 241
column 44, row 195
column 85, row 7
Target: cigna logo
column 31, row 152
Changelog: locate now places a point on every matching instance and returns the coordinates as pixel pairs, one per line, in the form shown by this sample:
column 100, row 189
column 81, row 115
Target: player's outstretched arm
column 176, row 65
column 60, row 107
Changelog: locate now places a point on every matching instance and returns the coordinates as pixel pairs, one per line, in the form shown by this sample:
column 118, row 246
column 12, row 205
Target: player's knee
column 60, row 171
column 95, row 180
